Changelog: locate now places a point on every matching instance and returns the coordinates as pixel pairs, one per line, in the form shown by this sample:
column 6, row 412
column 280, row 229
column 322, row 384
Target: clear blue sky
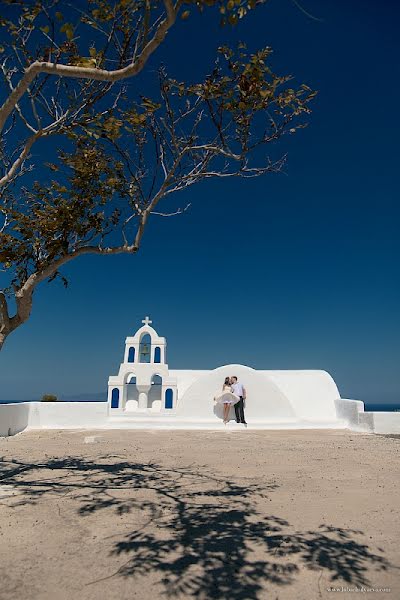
column 310, row 278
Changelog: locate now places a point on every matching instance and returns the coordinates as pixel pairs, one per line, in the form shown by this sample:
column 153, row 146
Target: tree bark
column 24, row 306
column 3, row 338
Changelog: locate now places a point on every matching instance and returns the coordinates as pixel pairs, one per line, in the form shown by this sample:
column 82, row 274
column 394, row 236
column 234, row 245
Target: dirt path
column 212, row 515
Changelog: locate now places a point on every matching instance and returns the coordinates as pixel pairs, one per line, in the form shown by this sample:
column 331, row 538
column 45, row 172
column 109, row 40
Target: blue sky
column 290, row 271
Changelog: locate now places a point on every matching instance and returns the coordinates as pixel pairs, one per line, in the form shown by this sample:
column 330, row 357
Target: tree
column 119, row 153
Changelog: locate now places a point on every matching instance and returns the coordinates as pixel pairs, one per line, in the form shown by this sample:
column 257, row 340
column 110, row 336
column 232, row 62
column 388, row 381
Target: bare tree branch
column 20, row 160
column 123, row 155
column 4, row 316
column 93, row 74
column 179, row 211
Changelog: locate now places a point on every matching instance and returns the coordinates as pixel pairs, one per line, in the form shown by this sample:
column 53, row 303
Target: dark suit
column 239, row 411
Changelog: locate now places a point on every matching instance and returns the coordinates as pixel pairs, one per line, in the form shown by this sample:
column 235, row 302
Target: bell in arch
column 145, row 349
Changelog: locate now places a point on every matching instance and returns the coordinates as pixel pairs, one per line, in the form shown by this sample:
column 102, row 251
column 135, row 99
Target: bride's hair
column 227, row 381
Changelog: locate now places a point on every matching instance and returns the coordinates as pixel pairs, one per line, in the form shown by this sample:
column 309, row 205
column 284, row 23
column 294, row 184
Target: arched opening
column 169, row 398
column 132, row 394
column 115, row 398
column 145, row 348
column 154, row 395
column 157, row 355
column 131, row 355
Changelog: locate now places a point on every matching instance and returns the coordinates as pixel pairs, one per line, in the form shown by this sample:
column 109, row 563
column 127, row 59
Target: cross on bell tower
column 146, row 321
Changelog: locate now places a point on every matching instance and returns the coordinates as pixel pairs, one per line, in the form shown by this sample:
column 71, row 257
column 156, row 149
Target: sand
column 214, row 515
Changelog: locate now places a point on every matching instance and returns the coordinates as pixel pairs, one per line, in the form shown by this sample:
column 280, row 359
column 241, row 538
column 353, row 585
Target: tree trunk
column 24, row 306
column 3, row 337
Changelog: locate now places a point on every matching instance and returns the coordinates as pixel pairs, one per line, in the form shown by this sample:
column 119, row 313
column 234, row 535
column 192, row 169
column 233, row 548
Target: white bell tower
column 146, row 346
column 143, row 384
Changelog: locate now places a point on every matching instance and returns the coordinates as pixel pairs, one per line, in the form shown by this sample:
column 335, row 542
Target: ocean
column 59, row 400
column 381, row 407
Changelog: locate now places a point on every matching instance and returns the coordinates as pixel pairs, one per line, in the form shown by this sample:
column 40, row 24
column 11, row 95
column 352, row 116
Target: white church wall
column 312, row 393
column 185, row 378
column 13, row 418
column 265, row 400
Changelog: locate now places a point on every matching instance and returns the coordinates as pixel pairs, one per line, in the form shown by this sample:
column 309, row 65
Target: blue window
column 145, row 349
column 115, row 398
column 169, row 398
column 132, row 380
column 131, row 355
column 157, row 355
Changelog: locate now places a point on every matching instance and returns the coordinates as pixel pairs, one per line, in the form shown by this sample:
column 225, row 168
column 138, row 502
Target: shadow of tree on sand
column 203, row 535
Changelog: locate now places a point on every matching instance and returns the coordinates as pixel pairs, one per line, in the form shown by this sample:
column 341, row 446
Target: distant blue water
column 59, row 400
column 381, row 407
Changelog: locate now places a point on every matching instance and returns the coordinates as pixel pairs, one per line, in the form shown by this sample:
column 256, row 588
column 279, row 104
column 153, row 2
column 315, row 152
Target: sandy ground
column 212, row 515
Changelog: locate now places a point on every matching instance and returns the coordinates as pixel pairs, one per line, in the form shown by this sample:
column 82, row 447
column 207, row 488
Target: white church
column 147, row 392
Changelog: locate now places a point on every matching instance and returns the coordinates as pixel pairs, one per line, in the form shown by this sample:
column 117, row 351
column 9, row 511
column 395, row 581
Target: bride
column 227, row 398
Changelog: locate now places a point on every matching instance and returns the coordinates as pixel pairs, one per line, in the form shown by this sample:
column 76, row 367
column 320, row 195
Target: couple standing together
column 234, row 393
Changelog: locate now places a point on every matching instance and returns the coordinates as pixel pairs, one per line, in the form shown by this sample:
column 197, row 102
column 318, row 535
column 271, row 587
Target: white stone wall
column 379, row 422
column 357, row 419
column 349, row 410
column 68, row 415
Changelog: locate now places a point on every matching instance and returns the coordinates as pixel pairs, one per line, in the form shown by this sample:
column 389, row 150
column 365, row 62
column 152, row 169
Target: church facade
column 143, row 383
column 147, row 394
column 147, row 391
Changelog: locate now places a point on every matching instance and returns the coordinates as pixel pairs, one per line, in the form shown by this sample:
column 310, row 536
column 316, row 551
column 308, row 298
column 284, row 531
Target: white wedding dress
column 227, row 396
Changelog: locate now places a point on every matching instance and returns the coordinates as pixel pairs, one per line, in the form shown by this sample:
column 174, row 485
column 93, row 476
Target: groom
column 238, row 389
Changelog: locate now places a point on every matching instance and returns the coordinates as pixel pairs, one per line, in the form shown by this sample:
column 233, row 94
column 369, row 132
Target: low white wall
column 13, row 418
column 380, row 422
column 352, row 411
column 94, row 415
column 68, row 415
column 51, row 415
column 349, row 411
